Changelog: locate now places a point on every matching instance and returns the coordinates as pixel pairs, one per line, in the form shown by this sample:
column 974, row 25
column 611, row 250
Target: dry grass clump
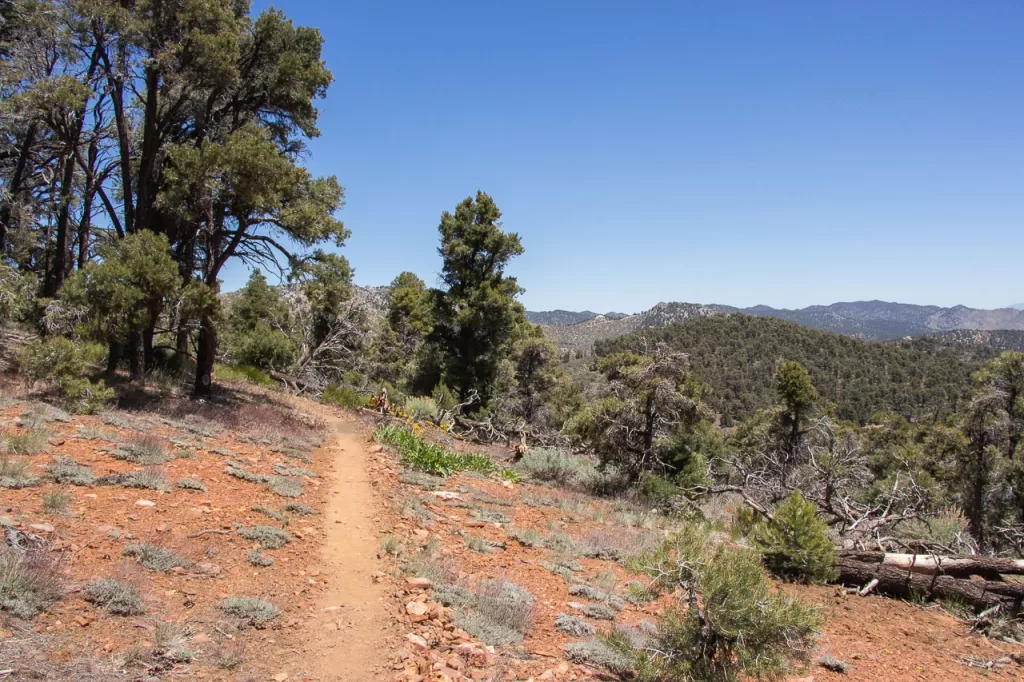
column 120, row 599
column 24, row 442
column 30, row 580
column 144, row 449
column 55, row 501
column 16, row 472
column 150, row 478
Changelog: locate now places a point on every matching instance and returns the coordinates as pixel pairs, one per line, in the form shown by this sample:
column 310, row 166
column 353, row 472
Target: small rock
column 42, row 527
column 417, row 641
column 145, row 503
column 280, row 677
column 446, row 495
column 419, row 583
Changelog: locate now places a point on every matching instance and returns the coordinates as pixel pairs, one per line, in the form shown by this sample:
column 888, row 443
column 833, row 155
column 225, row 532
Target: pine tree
column 795, row 543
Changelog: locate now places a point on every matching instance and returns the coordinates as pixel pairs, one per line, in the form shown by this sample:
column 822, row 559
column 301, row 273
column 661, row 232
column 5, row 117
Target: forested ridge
column 737, row 355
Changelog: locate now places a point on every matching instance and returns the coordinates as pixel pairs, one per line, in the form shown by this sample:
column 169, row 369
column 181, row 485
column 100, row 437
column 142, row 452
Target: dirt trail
column 352, row 640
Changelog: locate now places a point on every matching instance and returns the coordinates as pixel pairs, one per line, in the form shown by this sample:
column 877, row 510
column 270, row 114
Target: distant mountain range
column 1018, row 306
column 564, row 318
column 868, row 320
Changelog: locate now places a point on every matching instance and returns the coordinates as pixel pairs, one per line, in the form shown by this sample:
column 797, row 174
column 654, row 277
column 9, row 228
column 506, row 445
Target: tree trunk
column 928, row 564
column 136, row 357
column 205, row 355
column 905, row 584
column 55, row 279
column 113, row 356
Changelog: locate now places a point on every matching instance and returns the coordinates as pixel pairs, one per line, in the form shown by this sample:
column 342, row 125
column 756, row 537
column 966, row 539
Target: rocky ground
column 263, row 496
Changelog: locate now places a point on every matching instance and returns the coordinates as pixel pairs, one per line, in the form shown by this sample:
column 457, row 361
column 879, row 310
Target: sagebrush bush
column 949, row 528
column 120, row 599
column 252, row 610
column 599, row 654
column 343, row 396
column 149, row 478
column 269, row 511
column 156, row 558
column 299, row 508
column 29, row 581
column 422, row 407
column 268, row 536
column 498, row 613
column 144, row 449
column 66, row 471
column 256, row 558
column 16, row 472
column 285, row 487
column 24, row 442
column 573, row 626
column 55, row 501
column 735, row 624
column 191, row 484
column 795, row 543
column 253, row 375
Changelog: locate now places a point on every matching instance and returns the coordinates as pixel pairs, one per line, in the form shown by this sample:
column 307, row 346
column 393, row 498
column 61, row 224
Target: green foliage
column 120, row 599
column 795, row 543
column 477, row 316
column 156, row 558
column 16, row 472
column 649, row 400
column 16, row 293
column 734, row 622
column 443, row 398
column 66, row 471
column 343, row 396
column 60, row 360
column 144, row 449
column 260, row 326
column 253, row 375
column 737, row 356
column 253, row 611
column 419, row 453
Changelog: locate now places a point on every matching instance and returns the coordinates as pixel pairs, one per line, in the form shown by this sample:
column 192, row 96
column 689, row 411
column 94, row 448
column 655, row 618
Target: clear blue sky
column 785, row 153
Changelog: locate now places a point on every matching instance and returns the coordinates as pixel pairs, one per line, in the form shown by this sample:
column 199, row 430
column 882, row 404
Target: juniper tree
column 477, row 314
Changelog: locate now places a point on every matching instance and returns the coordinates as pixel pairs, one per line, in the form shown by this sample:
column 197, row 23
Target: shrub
column 734, row 622
column 241, row 472
column 157, row 558
column 422, row 407
column 191, row 484
column 639, row 594
column 272, row 513
column 299, row 508
column 56, row 502
column 656, row 490
column 25, row 442
column 343, row 396
column 422, row 480
column 419, row 453
column 527, row 537
column 150, row 478
column 285, row 487
column 599, row 611
column 491, row 516
column 597, row 653
column 833, row 664
column 16, row 472
column 253, row 375
column 257, row 559
column 268, row 536
column 498, row 614
column 59, row 360
column 116, row 597
column 949, row 528
column 573, row 626
column 443, row 398
column 82, row 396
column 282, row 470
column 29, row 581
column 252, row 610
column 795, row 544
column 145, row 449
column 67, row 471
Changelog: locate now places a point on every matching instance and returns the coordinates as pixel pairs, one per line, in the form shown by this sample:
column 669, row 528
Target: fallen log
column 898, row 582
column 955, row 566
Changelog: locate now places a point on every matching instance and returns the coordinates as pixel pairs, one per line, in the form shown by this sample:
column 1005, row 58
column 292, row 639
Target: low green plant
column 299, row 508
column 256, row 558
column 191, row 484
column 269, row 511
column 419, row 453
column 343, row 396
column 833, row 664
column 253, row 611
column 144, row 449
column 66, row 471
column 390, row 545
column 149, row 478
column 497, row 612
column 59, row 360
column 598, row 653
column 120, row 599
column 598, row 611
column 268, row 536
column 573, row 626
column 638, row 594
column 285, row 487
column 422, row 407
column 248, row 373
column 527, row 537
column 56, row 501
column 156, row 558
column 795, row 543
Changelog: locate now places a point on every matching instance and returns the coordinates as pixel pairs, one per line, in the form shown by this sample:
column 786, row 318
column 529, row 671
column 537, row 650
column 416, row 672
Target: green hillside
column 737, row 356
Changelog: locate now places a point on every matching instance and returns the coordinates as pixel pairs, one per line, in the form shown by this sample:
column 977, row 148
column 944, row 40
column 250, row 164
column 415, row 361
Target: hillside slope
column 737, row 356
column 868, row 320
